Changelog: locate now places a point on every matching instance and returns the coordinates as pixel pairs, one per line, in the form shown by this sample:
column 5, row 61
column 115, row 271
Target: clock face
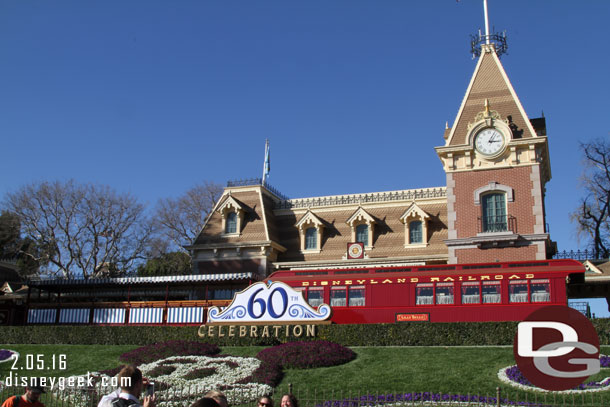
column 489, row 141
column 355, row 250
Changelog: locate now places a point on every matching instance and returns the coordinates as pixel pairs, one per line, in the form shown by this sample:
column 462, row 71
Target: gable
column 490, row 82
column 360, row 215
column 414, row 211
column 309, row 218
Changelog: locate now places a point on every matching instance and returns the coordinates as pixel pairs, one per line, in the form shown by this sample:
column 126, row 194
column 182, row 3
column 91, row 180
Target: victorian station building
column 492, row 209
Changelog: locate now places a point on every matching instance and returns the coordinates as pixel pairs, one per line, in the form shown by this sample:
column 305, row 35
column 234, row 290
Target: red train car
column 436, row 293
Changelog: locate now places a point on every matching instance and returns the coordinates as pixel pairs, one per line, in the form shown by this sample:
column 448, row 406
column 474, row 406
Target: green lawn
column 462, row 370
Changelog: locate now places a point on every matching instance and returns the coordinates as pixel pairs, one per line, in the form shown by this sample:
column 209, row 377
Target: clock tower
column 497, row 164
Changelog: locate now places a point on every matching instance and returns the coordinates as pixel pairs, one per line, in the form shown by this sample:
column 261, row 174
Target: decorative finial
column 487, row 107
column 446, row 125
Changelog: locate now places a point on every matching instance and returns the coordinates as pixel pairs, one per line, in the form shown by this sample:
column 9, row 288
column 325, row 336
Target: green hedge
column 406, row 334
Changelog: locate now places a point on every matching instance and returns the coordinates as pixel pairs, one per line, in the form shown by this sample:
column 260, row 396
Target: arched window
column 362, row 234
column 494, row 212
column 415, row 232
column 311, row 238
column 231, row 223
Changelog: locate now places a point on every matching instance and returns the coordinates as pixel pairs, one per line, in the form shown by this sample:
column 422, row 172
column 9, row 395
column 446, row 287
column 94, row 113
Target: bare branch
column 593, row 215
column 82, row 228
column 181, row 219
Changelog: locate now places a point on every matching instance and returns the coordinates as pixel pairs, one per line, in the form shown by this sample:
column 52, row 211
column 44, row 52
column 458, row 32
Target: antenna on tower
column 498, row 40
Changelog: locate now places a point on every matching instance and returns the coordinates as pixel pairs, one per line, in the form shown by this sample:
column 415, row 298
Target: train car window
column 436, row 268
column 363, row 271
column 311, row 273
column 491, row 292
column 518, row 291
column 356, row 296
column 481, row 266
column 528, row 264
column 424, row 294
column 541, row 290
column 315, row 296
column 444, row 293
column 471, row 293
column 338, row 297
column 392, row 270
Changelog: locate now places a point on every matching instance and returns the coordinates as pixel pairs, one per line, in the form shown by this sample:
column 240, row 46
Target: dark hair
column 268, row 398
column 218, row 397
column 133, row 373
column 293, row 400
column 205, row 402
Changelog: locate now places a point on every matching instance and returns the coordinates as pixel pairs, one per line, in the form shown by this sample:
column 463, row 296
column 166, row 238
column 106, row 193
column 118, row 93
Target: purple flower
column 5, row 354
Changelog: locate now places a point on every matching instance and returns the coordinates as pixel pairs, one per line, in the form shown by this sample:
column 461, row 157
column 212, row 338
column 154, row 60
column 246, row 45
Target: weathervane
column 498, row 40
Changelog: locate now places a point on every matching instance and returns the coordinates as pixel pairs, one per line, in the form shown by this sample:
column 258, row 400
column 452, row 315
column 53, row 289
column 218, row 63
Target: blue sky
column 152, row 97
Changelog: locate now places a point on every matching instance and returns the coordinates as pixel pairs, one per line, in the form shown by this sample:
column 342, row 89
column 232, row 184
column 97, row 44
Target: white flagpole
column 266, row 162
column 486, row 22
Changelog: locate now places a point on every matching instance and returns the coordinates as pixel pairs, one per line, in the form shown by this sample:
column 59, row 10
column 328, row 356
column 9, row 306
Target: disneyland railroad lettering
column 256, row 331
column 424, row 279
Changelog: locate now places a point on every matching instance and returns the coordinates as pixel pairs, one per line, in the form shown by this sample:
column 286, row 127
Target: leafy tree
column 181, row 219
column 80, row 229
column 593, row 214
column 174, row 263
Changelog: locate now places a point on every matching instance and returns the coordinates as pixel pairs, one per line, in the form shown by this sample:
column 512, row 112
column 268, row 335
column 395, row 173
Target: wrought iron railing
column 257, row 181
column 389, row 196
column 581, row 255
column 494, row 224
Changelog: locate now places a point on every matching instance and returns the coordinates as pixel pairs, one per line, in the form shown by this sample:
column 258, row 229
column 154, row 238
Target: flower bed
column 181, row 383
column 513, row 376
column 438, row 399
column 194, row 368
column 306, row 355
column 7, row 354
column 150, row 353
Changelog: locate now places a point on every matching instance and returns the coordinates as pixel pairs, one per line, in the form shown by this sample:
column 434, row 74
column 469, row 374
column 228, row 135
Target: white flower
column 505, row 379
column 225, row 372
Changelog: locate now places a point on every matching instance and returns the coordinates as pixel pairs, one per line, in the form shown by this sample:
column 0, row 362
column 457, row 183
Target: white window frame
column 415, row 213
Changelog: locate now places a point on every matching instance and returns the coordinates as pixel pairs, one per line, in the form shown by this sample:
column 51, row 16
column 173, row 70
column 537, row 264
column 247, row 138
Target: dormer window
column 311, row 229
column 416, row 226
column 231, row 223
column 363, row 226
column 232, row 214
column 362, row 234
column 311, row 238
column 415, row 232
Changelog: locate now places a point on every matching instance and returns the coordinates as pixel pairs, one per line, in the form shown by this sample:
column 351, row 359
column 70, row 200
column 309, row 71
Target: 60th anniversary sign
column 263, row 310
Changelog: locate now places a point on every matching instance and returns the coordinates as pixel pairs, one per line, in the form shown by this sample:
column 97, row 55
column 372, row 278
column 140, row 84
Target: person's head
column 288, row 400
column 33, row 391
column 265, row 401
column 205, row 402
column 130, row 380
column 219, row 397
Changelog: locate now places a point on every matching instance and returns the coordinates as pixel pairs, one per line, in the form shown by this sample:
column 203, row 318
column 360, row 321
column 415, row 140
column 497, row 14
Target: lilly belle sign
column 275, row 304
